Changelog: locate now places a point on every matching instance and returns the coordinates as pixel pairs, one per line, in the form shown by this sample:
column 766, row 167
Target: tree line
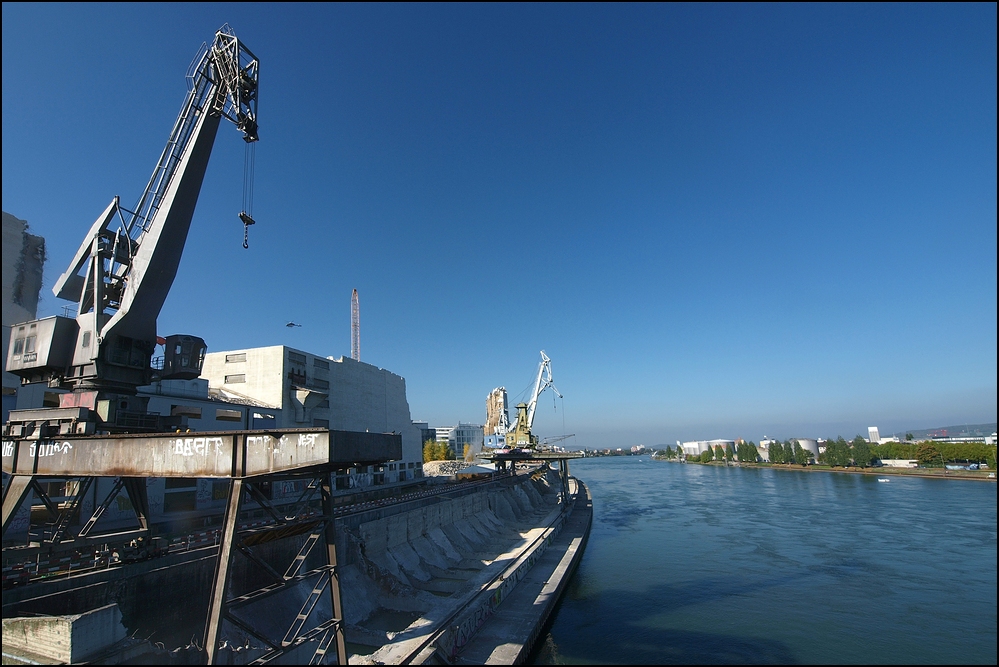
column 840, row 452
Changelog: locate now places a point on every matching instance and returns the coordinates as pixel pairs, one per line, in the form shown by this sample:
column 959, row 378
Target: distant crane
column 549, row 442
column 520, row 435
column 355, row 328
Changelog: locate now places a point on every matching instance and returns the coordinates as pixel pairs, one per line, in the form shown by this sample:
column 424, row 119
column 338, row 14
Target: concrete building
column 295, row 388
column 462, row 435
column 23, row 260
column 442, row 433
column 873, row 436
column 497, row 412
column 426, row 432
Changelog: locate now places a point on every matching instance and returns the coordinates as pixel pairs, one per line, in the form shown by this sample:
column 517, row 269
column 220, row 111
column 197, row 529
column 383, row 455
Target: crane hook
column 247, row 221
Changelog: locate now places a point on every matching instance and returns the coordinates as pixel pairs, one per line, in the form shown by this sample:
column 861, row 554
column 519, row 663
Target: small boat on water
column 883, row 479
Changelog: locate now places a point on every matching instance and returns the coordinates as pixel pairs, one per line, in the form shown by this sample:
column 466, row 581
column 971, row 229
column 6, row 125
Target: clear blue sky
column 718, row 221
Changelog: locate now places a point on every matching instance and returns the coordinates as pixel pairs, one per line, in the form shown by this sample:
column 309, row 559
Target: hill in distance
column 959, row 431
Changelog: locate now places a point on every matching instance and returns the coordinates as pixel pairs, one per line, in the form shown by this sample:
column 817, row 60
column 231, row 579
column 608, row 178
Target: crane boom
column 123, row 270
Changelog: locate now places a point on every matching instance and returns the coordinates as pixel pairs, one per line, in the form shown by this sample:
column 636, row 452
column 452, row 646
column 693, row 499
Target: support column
column 336, row 603
column 217, row 607
column 18, row 487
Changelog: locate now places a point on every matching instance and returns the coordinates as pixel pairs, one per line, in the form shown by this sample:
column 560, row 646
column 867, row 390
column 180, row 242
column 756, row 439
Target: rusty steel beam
column 224, row 454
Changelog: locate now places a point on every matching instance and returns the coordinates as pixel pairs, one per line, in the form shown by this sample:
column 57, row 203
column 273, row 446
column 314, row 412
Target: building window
column 320, row 384
column 322, row 423
column 321, row 363
column 224, row 415
column 86, row 339
column 235, row 358
column 324, row 404
column 295, row 357
column 233, row 379
column 187, row 410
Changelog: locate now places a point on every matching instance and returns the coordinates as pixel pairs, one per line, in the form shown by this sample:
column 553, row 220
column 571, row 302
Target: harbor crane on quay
column 121, row 274
column 520, row 434
column 119, row 279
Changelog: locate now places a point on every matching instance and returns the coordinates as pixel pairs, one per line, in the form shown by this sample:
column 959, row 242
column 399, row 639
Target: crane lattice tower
column 355, row 328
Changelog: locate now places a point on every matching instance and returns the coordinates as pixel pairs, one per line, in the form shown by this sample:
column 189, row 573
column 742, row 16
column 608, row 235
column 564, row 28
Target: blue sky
column 718, row 221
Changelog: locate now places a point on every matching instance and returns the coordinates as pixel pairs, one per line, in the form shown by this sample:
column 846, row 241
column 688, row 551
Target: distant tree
column 706, row 455
column 753, row 453
column 437, row 451
column 800, row 454
column 927, row 453
column 837, row 453
column 908, row 437
column 729, row 452
column 719, row 453
column 857, row 440
column 862, row 453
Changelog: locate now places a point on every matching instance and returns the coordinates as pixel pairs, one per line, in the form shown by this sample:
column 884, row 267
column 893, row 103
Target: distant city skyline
column 719, row 221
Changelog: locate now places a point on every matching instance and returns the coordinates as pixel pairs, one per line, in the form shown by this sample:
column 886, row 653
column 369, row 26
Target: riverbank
column 979, row 475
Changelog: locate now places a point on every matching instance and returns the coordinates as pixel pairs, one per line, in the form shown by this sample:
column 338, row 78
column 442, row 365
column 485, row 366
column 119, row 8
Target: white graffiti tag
column 197, row 446
column 48, row 448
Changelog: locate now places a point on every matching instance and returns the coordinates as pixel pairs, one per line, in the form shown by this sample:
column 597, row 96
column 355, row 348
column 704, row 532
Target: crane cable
column 249, row 167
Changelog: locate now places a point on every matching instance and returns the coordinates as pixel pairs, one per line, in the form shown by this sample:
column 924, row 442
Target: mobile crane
column 123, row 270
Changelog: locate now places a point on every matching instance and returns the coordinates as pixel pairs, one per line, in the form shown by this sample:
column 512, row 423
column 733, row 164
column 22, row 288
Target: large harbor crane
column 121, row 274
column 520, row 433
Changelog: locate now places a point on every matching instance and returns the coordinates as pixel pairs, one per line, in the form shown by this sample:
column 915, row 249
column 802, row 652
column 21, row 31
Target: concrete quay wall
column 505, row 623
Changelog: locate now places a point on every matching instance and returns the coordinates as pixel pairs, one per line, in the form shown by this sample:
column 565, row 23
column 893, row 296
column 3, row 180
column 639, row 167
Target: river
column 713, row 564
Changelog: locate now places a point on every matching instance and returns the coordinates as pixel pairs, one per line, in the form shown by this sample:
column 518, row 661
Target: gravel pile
column 445, row 468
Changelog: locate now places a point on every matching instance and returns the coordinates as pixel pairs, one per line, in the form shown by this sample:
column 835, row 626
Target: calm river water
column 706, row 564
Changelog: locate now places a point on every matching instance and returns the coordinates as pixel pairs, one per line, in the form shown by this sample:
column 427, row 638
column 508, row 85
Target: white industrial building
column 294, row 388
column 809, row 444
column 23, row 260
column 696, row 447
